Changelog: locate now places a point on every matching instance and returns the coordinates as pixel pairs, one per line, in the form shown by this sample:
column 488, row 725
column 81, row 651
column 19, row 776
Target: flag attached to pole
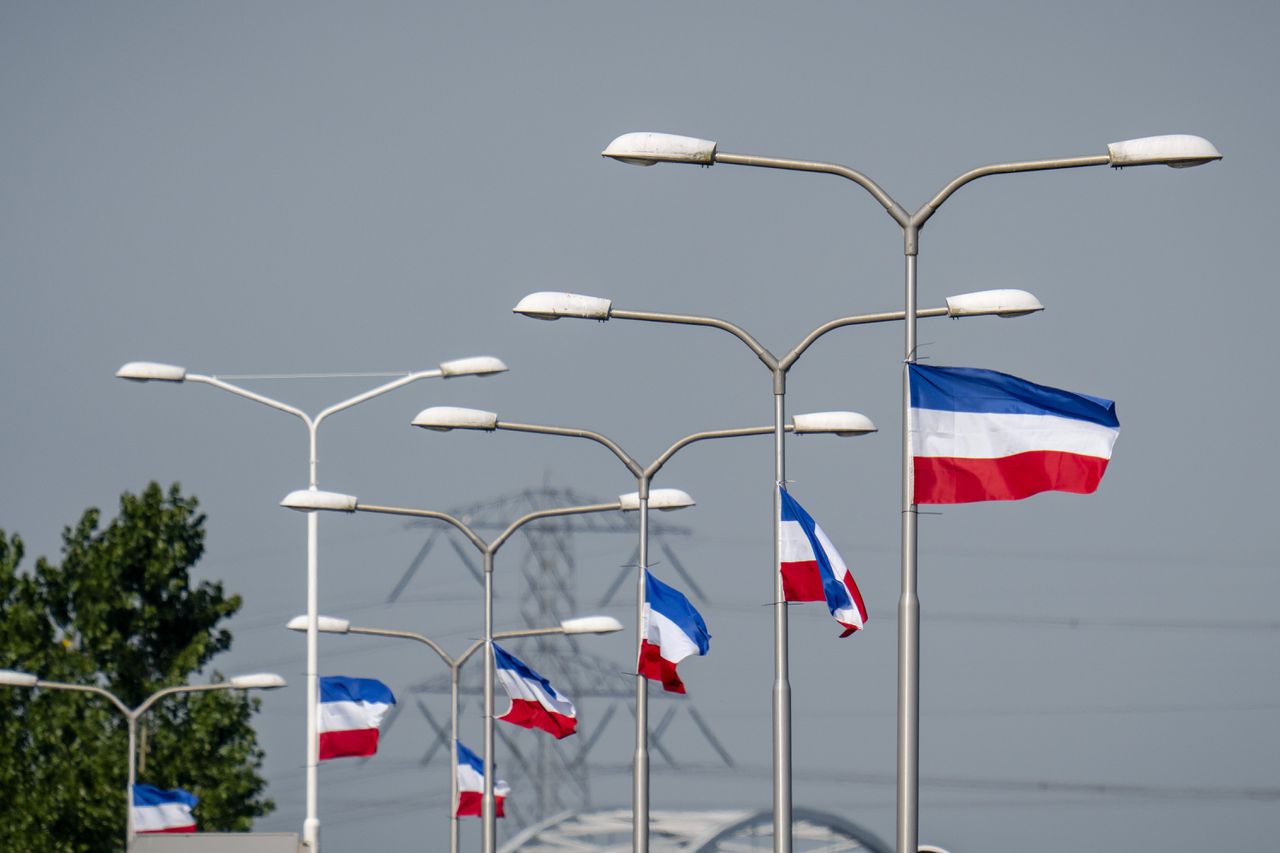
column 671, row 630
column 351, row 709
column 535, row 704
column 811, row 567
column 979, row 435
column 157, row 810
column 471, row 785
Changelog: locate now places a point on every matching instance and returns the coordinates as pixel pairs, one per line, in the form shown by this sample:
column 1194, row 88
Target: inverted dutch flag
column 471, row 785
column 811, row 567
column 979, row 435
column 157, row 810
column 670, row 631
column 351, row 709
column 535, row 704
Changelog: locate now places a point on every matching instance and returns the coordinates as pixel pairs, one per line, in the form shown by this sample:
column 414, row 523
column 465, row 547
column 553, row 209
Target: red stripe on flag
column 191, row 828
column 353, row 743
column 529, row 714
column 950, row 480
column 801, row 581
column 470, row 803
column 654, row 666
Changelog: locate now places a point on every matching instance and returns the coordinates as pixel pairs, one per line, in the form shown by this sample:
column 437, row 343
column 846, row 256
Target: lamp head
column 591, row 625
column 663, row 499
column 152, row 371
column 480, row 365
column 549, row 305
column 257, row 681
column 310, row 500
column 1178, row 150
column 445, row 418
column 324, row 624
column 645, row 149
column 1001, row 303
column 13, row 678
column 835, row 423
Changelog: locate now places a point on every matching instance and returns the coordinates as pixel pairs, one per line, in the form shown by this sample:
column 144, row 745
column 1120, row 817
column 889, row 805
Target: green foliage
column 119, row 612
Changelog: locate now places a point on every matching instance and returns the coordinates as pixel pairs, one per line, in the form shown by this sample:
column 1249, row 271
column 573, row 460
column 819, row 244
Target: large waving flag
column 670, row 631
column 535, row 704
column 979, row 435
column 812, row 569
column 157, row 810
column 351, row 709
column 471, row 785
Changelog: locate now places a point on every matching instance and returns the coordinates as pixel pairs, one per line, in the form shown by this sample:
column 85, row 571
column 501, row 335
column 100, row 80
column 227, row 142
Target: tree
column 120, row 611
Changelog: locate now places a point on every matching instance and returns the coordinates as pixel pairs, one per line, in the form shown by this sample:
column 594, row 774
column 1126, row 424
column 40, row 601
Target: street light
column 311, row 500
column 646, row 149
column 1002, row 303
column 579, row 625
column 148, row 371
column 254, row 681
column 446, row 418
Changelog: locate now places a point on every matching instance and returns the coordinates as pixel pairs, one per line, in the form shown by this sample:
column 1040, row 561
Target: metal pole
column 487, row 804
column 781, row 662
column 133, row 770
column 311, row 826
column 640, row 792
column 909, row 602
column 453, row 751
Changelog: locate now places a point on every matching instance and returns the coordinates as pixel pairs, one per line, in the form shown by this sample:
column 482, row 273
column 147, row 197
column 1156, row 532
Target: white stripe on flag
column 152, row 818
column 520, row 688
column 661, row 631
column 983, row 435
column 346, row 716
column 793, row 545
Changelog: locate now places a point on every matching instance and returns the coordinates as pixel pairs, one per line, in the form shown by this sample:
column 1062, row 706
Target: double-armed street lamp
column 146, row 371
column 255, row 681
column 1002, row 303
column 312, row 500
column 446, row 418
column 647, row 149
column 578, row 625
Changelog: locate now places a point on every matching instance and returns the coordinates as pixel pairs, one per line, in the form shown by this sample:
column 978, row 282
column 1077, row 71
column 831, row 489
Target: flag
column 670, row 631
column 350, row 711
column 811, row 567
column 156, row 810
column 535, row 704
column 979, row 435
column 471, row 785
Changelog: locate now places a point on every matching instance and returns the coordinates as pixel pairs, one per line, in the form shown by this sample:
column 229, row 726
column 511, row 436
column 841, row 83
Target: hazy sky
column 306, row 187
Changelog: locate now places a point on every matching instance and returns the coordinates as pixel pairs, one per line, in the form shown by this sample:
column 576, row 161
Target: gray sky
column 303, row 187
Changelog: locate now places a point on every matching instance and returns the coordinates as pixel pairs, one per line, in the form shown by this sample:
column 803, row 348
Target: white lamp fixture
column 550, row 305
column 257, row 681
column 646, row 149
column 1002, row 303
column 479, row 365
column 1178, row 150
column 445, row 418
column 663, row 499
column 326, row 624
column 838, row 423
column 13, row 678
column 152, row 371
column 591, row 625
column 310, row 500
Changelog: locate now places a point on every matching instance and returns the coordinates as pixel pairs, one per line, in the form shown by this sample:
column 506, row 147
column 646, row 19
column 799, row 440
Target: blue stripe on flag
column 150, row 795
column 672, row 604
column 466, row 756
column 967, row 389
column 344, row 688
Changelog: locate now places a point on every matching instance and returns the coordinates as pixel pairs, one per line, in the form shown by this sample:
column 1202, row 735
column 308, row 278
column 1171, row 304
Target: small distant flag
column 812, row 569
column 471, row 785
column 535, row 704
column 671, row 630
column 157, row 810
column 979, row 435
column 351, row 709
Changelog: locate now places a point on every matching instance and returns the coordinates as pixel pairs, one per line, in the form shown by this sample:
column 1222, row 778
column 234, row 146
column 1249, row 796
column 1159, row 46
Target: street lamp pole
column 553, row 306
column 260, row 681
column 311, row 500
column 646, row 149
column 142, row 371
column 581, row 625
